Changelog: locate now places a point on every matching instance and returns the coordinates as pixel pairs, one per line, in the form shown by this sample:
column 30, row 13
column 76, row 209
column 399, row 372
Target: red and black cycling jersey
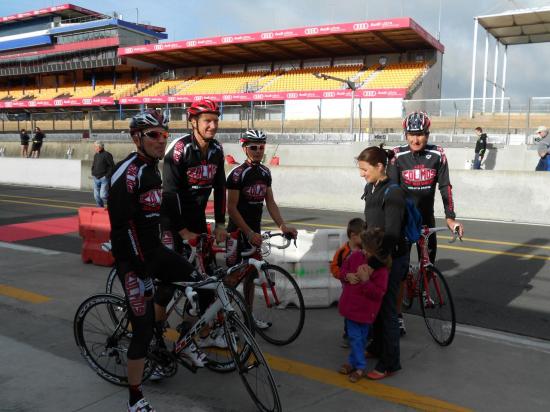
column 135, row 196
column 418, row 173
column 252, row 181
column 189, row 178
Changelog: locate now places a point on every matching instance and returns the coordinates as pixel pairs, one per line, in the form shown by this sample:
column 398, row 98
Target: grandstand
column 77, row 59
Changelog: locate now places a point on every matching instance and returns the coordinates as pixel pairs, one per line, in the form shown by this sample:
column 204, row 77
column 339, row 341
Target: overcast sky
column 528, row 72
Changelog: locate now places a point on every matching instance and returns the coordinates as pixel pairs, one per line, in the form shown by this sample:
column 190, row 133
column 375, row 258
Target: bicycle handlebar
column 427, row 232
column 268, row 235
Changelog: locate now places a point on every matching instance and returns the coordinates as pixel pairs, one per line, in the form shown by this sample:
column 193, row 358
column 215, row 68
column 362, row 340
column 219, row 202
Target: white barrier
column 41, row 172
column 309, row 262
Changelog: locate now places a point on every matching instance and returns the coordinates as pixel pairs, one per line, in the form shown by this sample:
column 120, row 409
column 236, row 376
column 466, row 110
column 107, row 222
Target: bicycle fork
column 264, row 282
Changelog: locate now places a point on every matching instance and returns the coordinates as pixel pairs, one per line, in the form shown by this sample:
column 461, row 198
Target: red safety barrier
column 230, row 160
column 274, row 161
column 94, row 228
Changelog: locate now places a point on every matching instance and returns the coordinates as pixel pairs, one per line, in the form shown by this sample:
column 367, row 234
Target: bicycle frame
column 424, row 263
column 222, row 303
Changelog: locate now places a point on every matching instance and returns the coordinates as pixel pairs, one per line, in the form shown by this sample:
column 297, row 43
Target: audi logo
column 227, row 39
column 267, row 35
column 191, row 43
column 369, row 93
column 58, row 102
column 292, row 95
column 158, row 47
column 329, row 94
column 312, row 30
column 86, row 101
column 361, row 26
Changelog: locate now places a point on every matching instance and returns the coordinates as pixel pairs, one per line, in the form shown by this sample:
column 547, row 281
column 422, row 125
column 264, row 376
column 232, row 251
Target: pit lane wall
column 505, row 195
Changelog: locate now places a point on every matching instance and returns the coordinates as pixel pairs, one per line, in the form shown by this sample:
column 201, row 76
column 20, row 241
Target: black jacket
column 387, row 213
column 188, row 180
column 419, row 173
column 134, row 211
column 103, row 164
column 481, row 144
column 24, row 138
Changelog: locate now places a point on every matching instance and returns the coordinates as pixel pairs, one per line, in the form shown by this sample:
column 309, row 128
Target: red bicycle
column 427, row 283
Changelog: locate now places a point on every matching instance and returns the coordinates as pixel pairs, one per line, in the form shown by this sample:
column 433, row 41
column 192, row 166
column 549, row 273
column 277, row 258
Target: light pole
column 351, row 85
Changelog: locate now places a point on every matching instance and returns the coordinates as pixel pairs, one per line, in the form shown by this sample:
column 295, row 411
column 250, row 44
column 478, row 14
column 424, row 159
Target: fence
column 504, row 120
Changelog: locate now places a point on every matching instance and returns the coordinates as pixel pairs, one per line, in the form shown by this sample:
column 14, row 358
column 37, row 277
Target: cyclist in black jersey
column 248, row 187
column 193, row 168
column 418, row 167
column 134, row 212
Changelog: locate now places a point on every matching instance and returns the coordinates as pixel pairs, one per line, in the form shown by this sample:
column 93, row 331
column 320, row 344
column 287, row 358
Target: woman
column 385, row 209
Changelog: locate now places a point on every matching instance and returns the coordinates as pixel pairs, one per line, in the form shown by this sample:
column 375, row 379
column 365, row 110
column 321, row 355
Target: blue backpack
column 413, row 222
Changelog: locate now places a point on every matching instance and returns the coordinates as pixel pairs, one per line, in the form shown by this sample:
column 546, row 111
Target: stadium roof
column 68, row 11
column 519, row 26
column 366, row 37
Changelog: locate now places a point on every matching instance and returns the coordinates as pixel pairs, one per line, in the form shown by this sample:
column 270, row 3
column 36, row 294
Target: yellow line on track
column 22, row 294
column 500, row 242
column 369, row 388
column 365, row 387
column 39, row 204
column 48, row 200
column 494, row 252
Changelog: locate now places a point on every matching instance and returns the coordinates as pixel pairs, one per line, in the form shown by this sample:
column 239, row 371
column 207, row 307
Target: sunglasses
column 256, row 147
column 153, row 134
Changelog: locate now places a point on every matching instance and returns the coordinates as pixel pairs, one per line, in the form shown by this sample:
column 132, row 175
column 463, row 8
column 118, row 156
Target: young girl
column 364, row 278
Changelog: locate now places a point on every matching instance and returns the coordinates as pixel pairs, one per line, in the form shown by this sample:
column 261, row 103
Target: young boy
column 355, row 227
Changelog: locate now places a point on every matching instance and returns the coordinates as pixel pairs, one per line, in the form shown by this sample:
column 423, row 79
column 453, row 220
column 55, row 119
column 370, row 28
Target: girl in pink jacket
column 364, row 277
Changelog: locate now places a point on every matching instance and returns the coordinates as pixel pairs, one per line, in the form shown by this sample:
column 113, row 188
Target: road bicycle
column 178, row 309
column 272, row 294
column 103, row 331
column 428, row 284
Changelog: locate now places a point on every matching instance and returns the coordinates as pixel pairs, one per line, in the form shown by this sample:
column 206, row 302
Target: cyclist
column 418, row 167
column 134, row 212
column 248, row 187
column 193, row 166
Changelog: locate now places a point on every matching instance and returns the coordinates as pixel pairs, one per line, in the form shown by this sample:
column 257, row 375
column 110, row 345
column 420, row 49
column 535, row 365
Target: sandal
column 356, row 375
column 346, row 369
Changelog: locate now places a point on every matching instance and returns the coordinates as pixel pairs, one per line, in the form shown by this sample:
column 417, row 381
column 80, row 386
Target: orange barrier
column 94, row 228
column 230, row 160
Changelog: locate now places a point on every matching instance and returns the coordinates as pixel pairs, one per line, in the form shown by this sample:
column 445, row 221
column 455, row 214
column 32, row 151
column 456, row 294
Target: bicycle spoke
column 437, row 307
column 278, row 307
column 252, row 366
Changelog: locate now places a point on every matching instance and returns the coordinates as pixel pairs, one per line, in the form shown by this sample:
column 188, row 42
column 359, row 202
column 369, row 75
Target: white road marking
column 22, row 248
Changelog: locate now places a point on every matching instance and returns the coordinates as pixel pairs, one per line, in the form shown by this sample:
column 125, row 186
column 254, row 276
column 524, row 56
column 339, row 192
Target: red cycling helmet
column 203, row 106
column 417, row 122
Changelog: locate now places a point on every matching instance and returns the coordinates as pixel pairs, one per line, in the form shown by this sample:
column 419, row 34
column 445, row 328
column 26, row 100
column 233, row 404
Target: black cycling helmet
column 253, row 136
column 417, row 123
column 148, row 119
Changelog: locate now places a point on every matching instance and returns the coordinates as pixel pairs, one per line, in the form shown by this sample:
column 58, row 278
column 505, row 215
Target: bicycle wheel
column 438, row 307
column 410, row 289
column 278, row 308
column 252, row 366
column 113, row 285
column 102, row 342
column 221, row 360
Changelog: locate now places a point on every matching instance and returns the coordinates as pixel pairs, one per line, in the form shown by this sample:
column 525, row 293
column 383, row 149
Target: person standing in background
column 543, row 149
column 102, row 168
column 24, row 136
column 481, row 147
column 37, row 140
